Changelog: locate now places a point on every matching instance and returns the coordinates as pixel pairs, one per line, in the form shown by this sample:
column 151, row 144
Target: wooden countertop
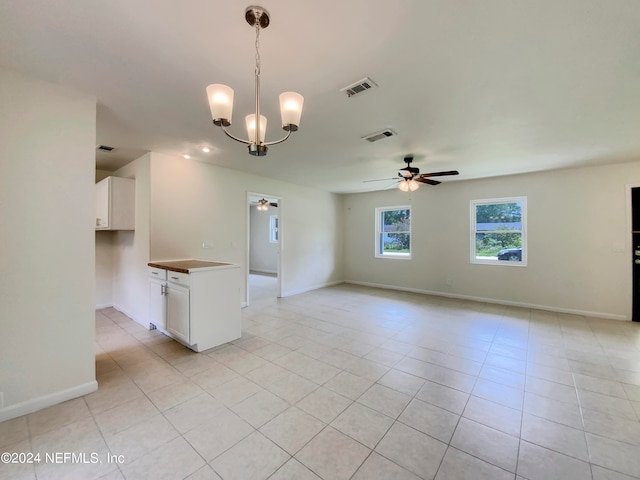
column 187, row 266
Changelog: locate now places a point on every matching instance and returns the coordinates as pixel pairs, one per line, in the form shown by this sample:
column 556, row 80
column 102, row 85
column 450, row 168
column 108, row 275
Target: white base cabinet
column 200, row 309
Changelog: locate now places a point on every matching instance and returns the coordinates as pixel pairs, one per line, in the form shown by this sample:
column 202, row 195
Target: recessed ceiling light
column 187, row 156
column 206, row 149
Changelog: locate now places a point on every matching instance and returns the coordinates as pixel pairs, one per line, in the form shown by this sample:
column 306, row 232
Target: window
column 498, row 231
column 273, row 229
column 393, row 232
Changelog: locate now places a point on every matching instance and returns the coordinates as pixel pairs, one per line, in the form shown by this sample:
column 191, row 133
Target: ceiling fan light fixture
column 263, row 205
column 408, row 185
column 221, row 99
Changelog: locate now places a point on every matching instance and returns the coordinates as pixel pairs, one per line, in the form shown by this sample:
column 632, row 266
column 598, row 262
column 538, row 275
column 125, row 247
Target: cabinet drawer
column 159, row 273
column 177, row 277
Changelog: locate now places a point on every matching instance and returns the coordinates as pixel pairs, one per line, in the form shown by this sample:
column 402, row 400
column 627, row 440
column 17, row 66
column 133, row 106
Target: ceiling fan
column 409, row 176
column 264, row 204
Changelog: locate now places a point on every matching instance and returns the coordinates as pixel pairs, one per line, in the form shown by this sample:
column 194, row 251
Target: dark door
column 635, row 251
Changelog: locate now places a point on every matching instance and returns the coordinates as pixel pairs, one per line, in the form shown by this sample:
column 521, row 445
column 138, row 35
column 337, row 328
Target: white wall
column 47, row 270
column 263, row 255
column 104, row 269
column 193, row 202
column 577, row 223
column 131, row 248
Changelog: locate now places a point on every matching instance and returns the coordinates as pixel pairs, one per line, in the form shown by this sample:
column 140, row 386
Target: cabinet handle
column 154, row 273
column 175, row 278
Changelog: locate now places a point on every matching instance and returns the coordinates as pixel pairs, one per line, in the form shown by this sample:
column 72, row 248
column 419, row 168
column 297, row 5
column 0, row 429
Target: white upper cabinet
column 115, row 204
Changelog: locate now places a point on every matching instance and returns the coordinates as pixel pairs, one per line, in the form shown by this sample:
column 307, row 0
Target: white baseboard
column 35, row 404
column 584, row 313
column 131, row 316
column 309, row 289
column 100, row 306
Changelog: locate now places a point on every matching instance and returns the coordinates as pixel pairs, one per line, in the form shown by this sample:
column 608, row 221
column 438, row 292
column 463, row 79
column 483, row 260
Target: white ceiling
column 491, row 87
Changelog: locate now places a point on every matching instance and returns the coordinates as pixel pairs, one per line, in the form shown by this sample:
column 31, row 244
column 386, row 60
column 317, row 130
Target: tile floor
column 354, row 383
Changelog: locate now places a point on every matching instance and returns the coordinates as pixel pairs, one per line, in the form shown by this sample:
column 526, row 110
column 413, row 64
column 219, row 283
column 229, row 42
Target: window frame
column 378, row 233
column 274, row 227
column 523, row 231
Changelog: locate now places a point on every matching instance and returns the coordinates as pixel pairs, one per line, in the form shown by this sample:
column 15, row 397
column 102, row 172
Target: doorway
column 264, row 244
column 635, row 252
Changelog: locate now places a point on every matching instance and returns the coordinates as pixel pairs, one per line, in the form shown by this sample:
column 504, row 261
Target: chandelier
column 221, row 99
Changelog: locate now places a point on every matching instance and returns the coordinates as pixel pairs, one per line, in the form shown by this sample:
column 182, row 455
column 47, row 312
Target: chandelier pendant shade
column 221, row 99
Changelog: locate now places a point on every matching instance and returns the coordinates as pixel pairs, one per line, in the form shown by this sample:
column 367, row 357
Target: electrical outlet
column 449, row 282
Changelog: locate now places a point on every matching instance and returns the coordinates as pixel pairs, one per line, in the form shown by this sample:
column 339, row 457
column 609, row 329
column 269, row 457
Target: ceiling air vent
column 359, row 87
column 374, row 137
column 105, row 148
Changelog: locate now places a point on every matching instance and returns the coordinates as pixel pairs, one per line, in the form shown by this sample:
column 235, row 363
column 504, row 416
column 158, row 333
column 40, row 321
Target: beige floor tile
column 402, row 382
column 167, row 397
column 292, row 429
column 502, row 376
column 429, row 419
column 267, row 374
column 17, row 468
column 192, row 413
column 258, row 409
column 363, row 424
column 155, row 400
column 125, row 415
column 554, row 436
column 564, row 413
column 412, row 450
column 176, row 459
column 217, row 434
column 142, row 438
column 234, row 391
column 498, row 393
column 600, row 473
column 494, row 415
column 333, row 455
column 377, row 467
column 458, row 465
column 614, row 455
column 293, row 388
column 385, row 400
column 443, row 397
column 14, row 431
column 294, row 470
column 538, row 463
column 349, row 385
column 254, row 457
column 205, row 473
column 486, row 443
column 57, row 416
column 324, row 404
column 607, row 404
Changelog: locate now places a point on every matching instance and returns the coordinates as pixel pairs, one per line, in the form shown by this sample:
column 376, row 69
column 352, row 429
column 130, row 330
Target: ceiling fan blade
column 378, row 180
column 440, row 174
column 393, row 185
column 273, row 204
column 427, row 180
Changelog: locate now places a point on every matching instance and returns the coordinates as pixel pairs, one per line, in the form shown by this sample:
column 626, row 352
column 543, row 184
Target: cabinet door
column 102, row 204
column 178, row 311
column 157, row 304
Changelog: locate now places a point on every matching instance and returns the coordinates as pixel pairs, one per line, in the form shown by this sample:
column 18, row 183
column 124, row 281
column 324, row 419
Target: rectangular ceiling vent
column 359, row 87
column 105, row 148
column 374, row 137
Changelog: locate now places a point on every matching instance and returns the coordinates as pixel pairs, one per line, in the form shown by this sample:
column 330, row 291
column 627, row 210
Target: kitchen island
column 196, row 302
